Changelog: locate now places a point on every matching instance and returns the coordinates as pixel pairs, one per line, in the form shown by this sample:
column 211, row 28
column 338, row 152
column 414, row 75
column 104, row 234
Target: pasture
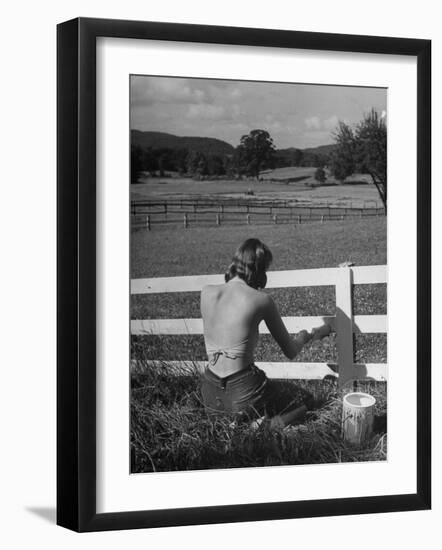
column 290, row 184
column 170, row 430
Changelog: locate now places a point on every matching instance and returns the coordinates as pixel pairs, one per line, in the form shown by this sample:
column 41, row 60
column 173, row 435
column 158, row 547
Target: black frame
column 76, row 273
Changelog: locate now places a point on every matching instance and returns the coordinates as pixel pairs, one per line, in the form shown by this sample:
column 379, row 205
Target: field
column 170, row 430
column 293, row 184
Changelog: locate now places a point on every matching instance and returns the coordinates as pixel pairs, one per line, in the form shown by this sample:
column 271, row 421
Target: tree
column 136, row 163
column 371, row 151
column 363, row 149
column 150, row 161
column 297, row 157
column 320, row 175
column 256, row 152
column 161, row 164
column 215, row 165
column 192, row 162
column 343, row 158
column 229, row 166
column 202, row 168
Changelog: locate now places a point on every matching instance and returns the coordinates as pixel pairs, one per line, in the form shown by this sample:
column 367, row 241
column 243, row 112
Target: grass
column 171, row 430
column 173, row 251
column 356, row 191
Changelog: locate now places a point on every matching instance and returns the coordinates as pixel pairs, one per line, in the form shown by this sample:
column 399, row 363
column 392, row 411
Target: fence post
column 148, row 222
column 344, row 325
column 185, row 221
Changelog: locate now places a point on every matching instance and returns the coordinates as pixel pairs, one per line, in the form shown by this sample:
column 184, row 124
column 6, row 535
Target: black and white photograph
column 258, row 268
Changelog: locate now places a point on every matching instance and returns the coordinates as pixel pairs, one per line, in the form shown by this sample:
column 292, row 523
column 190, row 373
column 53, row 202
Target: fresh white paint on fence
column 344, row 323
column 372, row 274
column 362, row 324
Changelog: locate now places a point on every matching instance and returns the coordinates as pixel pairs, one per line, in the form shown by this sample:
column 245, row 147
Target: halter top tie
column 235, row 351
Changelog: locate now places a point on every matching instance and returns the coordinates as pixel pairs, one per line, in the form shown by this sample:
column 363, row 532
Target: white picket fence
column 344, row 322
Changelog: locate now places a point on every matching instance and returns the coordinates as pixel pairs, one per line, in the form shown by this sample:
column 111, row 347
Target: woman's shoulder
column 211, row 288
column 209, row 292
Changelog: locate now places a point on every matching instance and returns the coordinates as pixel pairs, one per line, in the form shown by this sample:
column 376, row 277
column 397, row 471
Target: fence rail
column 344, row 323
column 198, row 212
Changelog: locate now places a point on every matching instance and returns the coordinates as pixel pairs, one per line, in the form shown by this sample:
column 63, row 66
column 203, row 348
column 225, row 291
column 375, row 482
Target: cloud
column 235, row 93
column 206, row 111
column 330, row 123
column 313, row 123
column 146, row 91
column 296, row 115
column 236, row 111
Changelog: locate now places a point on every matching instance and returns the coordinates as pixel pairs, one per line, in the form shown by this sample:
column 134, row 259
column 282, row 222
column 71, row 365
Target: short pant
column 248, row 390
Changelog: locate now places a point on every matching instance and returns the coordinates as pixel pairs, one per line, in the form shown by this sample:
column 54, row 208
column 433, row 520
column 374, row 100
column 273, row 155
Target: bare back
column 231, row 314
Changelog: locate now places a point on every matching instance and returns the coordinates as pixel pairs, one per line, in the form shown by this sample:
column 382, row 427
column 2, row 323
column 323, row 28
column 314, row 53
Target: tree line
column 359, row 149
column 255, row 152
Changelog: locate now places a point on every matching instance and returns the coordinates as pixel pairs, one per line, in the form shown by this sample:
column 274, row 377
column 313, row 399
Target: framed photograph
column 243, row 310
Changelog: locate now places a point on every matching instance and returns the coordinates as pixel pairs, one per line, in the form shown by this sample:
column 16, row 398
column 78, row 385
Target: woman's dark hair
column 250, row 263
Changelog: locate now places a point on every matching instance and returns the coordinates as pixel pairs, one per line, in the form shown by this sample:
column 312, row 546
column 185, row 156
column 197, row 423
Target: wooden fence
column 190, row 213
column 344, row 323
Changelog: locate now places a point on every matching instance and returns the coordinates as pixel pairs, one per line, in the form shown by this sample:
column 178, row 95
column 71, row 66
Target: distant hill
column 160, row 140
column 320, row 150
column 293, row 156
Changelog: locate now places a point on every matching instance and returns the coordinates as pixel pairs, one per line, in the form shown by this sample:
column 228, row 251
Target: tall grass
column 171, row 430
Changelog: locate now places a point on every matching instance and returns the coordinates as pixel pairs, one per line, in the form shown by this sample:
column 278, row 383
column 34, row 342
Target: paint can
column 357, row 417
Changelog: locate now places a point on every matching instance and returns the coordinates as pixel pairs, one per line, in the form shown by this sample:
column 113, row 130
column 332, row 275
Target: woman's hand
column 304, row 337
column 320, row 332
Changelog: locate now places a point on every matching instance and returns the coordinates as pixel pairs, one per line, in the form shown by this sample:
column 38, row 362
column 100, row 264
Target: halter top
column 243, row 350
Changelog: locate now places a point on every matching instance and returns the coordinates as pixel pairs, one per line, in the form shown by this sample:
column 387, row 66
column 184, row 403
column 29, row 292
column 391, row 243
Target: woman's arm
column 289, row 346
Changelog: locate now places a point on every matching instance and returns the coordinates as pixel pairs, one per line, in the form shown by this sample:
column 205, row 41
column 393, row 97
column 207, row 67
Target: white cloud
column 236, row 110
column 204, row 110
column 235, row 93
column 331, row 123
column 312, row 123
column 146, row 91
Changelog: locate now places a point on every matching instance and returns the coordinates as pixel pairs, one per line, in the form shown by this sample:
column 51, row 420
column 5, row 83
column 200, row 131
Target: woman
column 231, row 315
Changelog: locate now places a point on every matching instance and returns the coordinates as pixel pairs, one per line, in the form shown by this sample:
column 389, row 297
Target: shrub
column 320, row 175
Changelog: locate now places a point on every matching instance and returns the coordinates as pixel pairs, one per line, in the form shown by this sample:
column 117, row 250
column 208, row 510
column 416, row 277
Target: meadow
column 169, row 428
column 292, row 184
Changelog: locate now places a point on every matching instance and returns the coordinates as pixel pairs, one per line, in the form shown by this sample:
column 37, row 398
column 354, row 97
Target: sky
column 295, row 115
